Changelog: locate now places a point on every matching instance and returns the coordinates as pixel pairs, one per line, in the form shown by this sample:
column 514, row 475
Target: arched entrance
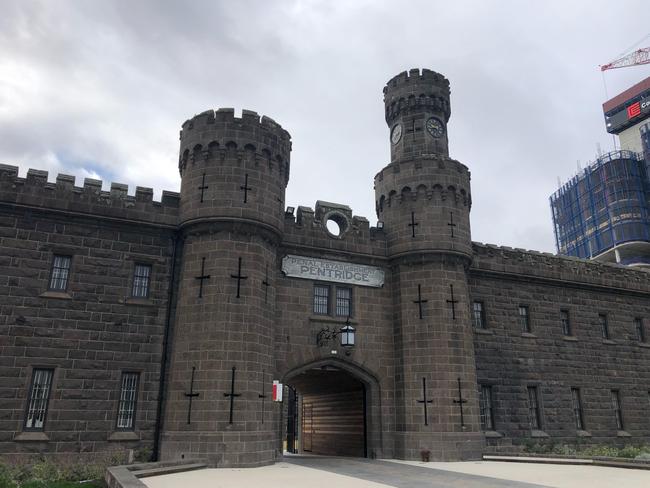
column 331, row 410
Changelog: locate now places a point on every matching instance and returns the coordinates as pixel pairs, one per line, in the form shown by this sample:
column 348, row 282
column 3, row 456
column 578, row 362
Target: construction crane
column 635, row 58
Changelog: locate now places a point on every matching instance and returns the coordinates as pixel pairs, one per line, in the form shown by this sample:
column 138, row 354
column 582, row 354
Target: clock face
column 435, row 127
column 396, row 134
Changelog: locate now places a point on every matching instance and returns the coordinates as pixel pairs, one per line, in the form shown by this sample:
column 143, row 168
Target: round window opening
column 333, row 228
column 336, row 224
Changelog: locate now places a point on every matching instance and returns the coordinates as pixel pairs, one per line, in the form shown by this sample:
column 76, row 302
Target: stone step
column 179, row 468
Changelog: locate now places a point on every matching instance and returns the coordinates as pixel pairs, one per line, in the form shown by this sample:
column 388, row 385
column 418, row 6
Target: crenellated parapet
column 216, row 135
column 308, row 228
column 415, row 90
column 527, row 265
column 63, row 195
column 441, row 180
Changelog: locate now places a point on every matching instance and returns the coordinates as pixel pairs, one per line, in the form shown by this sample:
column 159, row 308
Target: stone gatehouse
column 128, row 323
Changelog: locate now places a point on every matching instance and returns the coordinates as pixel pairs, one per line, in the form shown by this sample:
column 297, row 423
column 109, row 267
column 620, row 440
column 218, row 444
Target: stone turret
column 423, row 197
column 234, row 168
column 234, row 174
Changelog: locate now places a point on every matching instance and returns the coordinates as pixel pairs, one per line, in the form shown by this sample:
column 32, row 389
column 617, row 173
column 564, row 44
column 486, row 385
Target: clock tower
column 423, row 199
column 417, row 112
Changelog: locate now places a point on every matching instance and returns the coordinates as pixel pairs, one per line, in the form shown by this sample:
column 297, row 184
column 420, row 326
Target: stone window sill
column 538, row 433
column 62, row 295
column 570, row 338
column 583, row 433
column 124, row 436
column 609, row 341
column 484, row 331
column 32, row 437
column 493, row 434
column 142, row 302
column 622, row 433
column 332, row 320
column 528, row 334
column 643, row 344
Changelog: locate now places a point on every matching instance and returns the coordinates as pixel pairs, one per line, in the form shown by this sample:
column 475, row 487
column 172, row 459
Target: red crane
column 635, row 58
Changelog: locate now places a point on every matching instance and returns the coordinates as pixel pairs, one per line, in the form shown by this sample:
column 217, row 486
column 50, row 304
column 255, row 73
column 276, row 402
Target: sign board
column 336, row 271
column 277, row 391
column 626, row 115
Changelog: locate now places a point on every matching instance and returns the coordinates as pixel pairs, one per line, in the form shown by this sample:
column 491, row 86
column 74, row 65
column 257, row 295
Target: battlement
column 415, row 76
column 227, row 115
column 309, row 228
column 423, row 166
column 439, row 179
column 63, row 195
column 219, row 135
column 491, row 258
column 416, row 91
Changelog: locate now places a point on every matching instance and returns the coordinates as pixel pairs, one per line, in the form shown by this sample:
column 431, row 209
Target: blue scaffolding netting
column 605, row 205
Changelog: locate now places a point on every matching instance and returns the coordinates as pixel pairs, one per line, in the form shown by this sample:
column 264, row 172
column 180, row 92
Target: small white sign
column 277, row 391
column 336, row 271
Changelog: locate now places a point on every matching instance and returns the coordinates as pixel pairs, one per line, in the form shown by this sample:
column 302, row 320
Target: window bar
column 60, row 272
column 141, row 281
column 533, row 408
column 343, row 302
column 128, row 397
column 321, row 298
column 38, row 399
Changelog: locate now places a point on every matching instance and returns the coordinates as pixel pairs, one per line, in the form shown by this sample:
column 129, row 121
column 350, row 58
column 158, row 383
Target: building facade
column 127, row 323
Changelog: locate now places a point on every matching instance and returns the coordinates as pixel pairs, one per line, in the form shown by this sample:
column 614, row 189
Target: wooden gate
column 307, row 426
column 333, row 423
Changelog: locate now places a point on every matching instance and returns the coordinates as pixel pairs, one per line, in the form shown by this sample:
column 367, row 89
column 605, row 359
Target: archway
column 333, row 408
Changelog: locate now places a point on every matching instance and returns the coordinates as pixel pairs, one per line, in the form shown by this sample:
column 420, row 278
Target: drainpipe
column 165, row 346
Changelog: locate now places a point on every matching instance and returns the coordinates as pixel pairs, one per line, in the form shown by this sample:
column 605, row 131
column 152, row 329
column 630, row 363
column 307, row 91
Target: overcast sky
column 101, row 89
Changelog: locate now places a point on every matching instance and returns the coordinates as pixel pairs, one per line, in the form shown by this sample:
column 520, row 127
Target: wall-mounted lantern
column 346, row 334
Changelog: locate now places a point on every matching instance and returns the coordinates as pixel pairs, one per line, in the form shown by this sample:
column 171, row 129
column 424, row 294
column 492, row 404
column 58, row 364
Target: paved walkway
column 325, row 472
column 549, row 475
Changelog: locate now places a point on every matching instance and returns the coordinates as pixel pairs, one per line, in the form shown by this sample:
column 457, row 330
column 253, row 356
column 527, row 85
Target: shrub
column 600, row 451
column 6, row 477
column 44, row 470
column 142, row 455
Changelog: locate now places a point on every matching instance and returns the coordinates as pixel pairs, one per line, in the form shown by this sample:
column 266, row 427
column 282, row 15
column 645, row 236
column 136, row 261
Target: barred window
column 321, row 299
column 566, row 322
column 141, row 277
column 485, row 405
column 604, row 326
column 534, row 414
column 524, row 318
column 616, row 405
column 60, row 273
column 343, row 302
column 39, row 396
column 640, row 330
column 128, row 401
column 478, row 315
column 577, row 408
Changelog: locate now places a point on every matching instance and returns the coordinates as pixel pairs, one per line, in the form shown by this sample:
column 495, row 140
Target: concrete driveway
column 326, row 472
